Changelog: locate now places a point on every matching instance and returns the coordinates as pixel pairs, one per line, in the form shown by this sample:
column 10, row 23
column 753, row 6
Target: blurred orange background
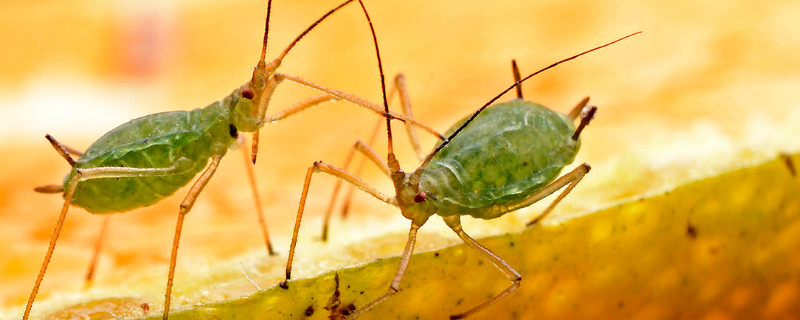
column 708, row 85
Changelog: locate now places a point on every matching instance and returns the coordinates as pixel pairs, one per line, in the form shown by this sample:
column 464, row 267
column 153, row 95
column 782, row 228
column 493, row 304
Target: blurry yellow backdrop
column 708, row 85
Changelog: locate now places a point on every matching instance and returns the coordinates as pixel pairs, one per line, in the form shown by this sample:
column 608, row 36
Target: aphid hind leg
column 454, row 222
column 394, row 287
column 185, row 207
column 570, row 180
column 320, row 166
column 256, row 198
column 370, row 154
column 98, row 245
column 83, row 174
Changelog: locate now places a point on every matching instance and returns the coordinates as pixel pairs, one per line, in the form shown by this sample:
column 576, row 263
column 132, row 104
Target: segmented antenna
column 262, row 62
column 266, row 31
column 383, row 82
column 312, row 26
column 457, row 131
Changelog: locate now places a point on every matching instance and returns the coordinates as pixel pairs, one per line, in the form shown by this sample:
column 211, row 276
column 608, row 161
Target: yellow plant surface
column 688, row 211
column 704, row 250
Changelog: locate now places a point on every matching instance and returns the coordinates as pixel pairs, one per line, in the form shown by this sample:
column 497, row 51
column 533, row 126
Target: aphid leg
column 253, row 187
column 88, row 174
column 454, row 222
column 320, row 166
column 576, row 111
column 350, row 188
column 370, row 154
column 185, row 207
column 357, row 101
column 285, row 113
column 394, row 287
column 570, row 180
column 405, row 101
column 98, row 245
column 300, row 106
column 73, row 182
column 50, row 188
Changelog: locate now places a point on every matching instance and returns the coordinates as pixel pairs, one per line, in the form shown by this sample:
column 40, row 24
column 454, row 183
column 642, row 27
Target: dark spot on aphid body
column 511, row 244
column 691, row 231
column 247, row 94
column 309, row 311
column 621, row 304
column 436, row 254
column 233, row 131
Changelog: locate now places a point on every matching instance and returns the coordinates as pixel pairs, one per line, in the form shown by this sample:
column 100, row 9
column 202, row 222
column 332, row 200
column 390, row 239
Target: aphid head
column 252, row 99
column 416, row 204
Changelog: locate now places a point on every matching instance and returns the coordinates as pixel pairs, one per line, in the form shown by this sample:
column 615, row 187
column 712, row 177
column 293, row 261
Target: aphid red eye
column 420, row 197
column 247, row 94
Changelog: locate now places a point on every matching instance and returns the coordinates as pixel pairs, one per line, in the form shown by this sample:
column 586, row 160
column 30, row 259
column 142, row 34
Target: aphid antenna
column 259, row 71
column 386, row 114
column 306, row 31
column 516, row 84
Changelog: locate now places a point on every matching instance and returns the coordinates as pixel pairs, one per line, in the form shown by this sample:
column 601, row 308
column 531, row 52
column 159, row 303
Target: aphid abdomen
column 154, row 141
column 507, row 153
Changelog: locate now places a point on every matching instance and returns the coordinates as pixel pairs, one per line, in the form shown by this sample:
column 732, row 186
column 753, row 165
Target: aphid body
column 501, row 158
column 183, row 140
column 509, row 151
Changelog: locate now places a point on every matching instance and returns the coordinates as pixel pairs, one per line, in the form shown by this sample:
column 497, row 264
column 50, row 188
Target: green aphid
column 147, row 159
column 501, row 158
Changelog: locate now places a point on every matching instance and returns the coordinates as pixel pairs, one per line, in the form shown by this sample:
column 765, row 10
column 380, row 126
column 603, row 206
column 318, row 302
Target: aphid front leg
column 454, row 222
column 570, row 180
column 370, row 154
column 300, row 106
column 248, row 164
column 186, row 206
column 394, row 287
column 405, row 102
column 320, row 166
column 357, row 101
